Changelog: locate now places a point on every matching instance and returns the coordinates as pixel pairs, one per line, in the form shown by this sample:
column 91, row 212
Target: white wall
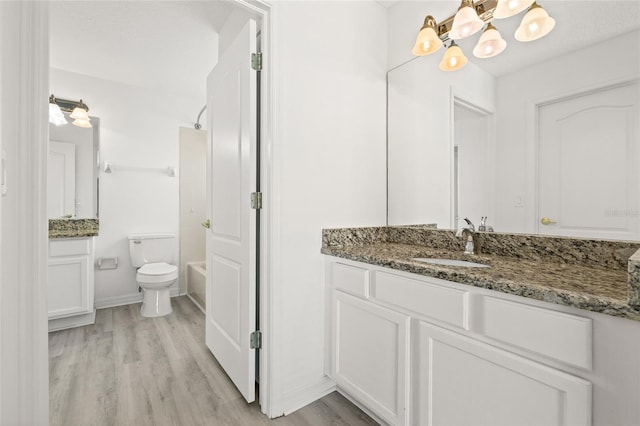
column 193, row 199
column 420, row 136
column 588, row 68
column 138, row 127
column 328, row 167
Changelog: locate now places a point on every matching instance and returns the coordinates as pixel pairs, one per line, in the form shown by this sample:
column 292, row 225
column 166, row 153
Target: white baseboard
column 294, row 401
column 197, row 304
column 72, row 321
column 362, row 407
column 127, row 299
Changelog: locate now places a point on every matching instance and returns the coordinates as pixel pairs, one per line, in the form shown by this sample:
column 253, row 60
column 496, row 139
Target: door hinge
column 256, row 200
column 256, row 61
column 255, row 340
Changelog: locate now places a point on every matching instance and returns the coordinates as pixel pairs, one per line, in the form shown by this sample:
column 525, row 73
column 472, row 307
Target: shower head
column 198, row 126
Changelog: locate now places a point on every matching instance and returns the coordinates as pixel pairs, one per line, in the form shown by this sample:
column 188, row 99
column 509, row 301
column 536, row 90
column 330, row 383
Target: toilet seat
column 157, row 273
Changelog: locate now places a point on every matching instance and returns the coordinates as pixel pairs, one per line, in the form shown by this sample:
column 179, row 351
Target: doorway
column 471, row 168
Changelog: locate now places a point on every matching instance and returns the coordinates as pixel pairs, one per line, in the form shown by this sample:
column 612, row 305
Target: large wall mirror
column 72, row 175
column 544, row 138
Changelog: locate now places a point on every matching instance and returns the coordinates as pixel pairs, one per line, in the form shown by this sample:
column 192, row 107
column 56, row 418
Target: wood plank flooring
column 130, row 370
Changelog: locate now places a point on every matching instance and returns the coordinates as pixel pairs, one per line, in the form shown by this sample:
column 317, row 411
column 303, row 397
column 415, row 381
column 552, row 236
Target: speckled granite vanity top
column 73, row 228
column 600, row 276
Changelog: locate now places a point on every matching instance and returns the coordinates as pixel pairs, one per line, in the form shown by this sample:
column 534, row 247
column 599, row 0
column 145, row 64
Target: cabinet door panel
column 67, row 286
column 371, row 355
column 461, row 381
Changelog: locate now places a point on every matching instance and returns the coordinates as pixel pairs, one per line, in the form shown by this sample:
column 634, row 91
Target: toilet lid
column 160, row 268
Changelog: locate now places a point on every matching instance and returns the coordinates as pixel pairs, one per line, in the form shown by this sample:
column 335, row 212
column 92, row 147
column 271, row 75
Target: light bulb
column 453, row 61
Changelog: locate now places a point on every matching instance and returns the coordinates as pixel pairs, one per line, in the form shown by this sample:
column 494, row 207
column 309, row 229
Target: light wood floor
column 130, row 370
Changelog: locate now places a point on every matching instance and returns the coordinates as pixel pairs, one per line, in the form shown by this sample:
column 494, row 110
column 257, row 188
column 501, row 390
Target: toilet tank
column 151, row 248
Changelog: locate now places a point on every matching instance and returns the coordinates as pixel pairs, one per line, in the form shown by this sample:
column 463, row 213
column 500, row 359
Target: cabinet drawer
column 69, row 247
column 563, row 337
column 441, row 303
column 350, row 279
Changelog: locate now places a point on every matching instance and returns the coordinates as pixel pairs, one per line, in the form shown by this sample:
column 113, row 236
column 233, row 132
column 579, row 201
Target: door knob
column 547, row 221
column 206, row 224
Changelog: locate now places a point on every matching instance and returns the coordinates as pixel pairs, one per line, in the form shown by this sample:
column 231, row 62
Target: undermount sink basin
column 450, row 262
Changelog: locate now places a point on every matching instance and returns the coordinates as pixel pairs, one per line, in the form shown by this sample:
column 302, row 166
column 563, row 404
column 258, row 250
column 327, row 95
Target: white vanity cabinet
column 415, row 350
column 371, row 355
column 70, row 274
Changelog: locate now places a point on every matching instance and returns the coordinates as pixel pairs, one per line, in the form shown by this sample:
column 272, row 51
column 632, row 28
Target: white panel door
column 61, row 180
column 371, row 355
column 588, row 170
column 461, row 381
column 231, row 239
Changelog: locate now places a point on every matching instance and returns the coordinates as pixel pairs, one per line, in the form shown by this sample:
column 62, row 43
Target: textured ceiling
column 161, row 45
column 172, row 45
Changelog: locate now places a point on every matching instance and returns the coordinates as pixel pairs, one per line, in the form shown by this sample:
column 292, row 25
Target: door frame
column 462, row 99
column 29, row 382
column 532, row 226
column 263, row 9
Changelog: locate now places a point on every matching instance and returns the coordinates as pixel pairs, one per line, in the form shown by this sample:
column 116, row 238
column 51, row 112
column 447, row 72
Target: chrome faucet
column 469, row 231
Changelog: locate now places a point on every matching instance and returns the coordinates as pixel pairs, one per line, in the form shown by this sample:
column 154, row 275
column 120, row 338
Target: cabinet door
column 461, row 381
column 68, row 286
column 370, row 355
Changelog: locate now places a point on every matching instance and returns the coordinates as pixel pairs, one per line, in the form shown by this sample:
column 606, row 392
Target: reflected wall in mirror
column 72, row 175
column 547, row 146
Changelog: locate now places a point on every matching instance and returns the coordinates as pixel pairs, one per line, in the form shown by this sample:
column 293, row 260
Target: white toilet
column 153, row 255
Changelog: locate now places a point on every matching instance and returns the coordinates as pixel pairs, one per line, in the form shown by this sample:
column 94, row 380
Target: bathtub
column 196, row 283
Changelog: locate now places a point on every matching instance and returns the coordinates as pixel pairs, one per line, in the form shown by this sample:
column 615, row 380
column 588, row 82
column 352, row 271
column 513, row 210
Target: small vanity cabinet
column 416, row 350
column 70, row 282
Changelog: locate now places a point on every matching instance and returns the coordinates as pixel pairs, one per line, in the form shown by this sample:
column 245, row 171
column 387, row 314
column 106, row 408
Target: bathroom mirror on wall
column 72, row 174
column 544, row 141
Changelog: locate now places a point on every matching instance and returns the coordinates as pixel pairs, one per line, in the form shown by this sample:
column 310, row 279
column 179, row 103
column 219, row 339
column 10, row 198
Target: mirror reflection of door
column 61, row 180
column 472, row 176
column 588, row 174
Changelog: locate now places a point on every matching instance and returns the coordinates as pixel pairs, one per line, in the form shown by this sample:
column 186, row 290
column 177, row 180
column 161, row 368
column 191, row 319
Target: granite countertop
column 73, row 228
column 599, row 285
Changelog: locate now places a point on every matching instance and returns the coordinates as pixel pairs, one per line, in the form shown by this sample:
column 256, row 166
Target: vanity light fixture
column 78, row 109
column 466, row 21
column 428, row 40
column 453, row 59
column 56, row 116
column 490, row 44
column 536, row 24
column 508, row 8
column 470, row 18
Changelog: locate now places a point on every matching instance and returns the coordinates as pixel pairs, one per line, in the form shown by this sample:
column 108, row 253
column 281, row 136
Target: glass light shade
column 490, row 44
column 80, row 114
column 453, row 59
column 427, row 42
column 466, row 22
column 508, row 8
column 55, row 115
column 85, row 124
column 536, row 24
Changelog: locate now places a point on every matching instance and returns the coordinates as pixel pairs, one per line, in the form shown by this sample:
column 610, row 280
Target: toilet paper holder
column 107, row 262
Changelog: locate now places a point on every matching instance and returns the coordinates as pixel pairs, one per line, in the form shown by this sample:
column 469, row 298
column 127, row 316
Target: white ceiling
column 172, row 45
column 161, row 45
